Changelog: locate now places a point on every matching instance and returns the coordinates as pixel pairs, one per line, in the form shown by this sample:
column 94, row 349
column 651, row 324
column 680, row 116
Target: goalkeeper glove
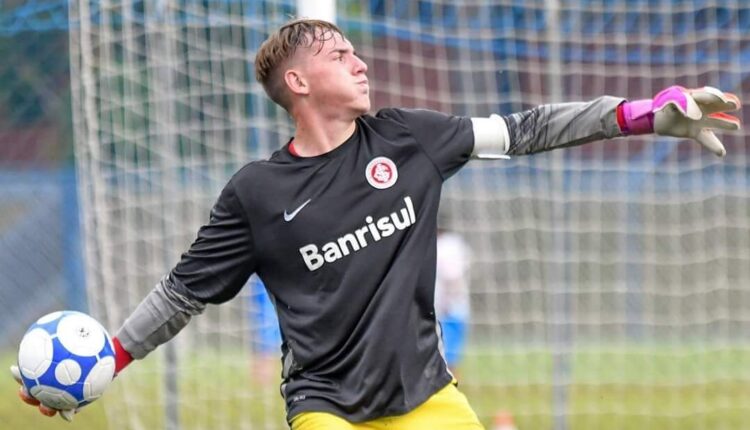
column 122, row 359
column 67, row 415
column 682, row 112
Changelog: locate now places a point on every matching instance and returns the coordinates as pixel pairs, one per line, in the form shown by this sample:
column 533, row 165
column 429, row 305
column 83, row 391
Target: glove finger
column 47, row 411
column 723, row 121
column 68, row 414
column 708, row 139
column 16, row 372
column 26, row 397
column 22, row 392
column 712, row 100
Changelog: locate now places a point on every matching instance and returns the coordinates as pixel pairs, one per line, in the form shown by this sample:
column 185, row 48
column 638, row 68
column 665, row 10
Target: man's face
column 336, row 76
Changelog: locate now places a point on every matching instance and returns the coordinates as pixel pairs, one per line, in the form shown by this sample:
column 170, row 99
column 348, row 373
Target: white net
column 609, row 283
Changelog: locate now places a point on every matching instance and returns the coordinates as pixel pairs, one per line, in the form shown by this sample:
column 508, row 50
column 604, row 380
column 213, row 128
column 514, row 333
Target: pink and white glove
column 682, row 112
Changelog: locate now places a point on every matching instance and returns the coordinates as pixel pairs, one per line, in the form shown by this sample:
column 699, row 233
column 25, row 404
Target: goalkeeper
column 340, row 224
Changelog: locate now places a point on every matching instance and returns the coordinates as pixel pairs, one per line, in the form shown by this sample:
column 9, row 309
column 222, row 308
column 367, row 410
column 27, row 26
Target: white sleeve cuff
column 491, row 138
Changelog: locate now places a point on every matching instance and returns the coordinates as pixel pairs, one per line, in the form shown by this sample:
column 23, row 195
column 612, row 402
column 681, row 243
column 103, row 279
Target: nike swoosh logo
column 290, row 216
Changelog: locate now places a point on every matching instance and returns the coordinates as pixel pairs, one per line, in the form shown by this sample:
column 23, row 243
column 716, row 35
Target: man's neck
column 316, row 137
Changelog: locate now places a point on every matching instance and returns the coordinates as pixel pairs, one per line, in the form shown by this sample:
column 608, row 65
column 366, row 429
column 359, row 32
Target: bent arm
column 157, row 319
column 546, row 127
column 214, row 269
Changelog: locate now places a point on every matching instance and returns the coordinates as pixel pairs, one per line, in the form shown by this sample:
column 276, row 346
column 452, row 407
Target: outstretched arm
column 561, row 125
column 676, row 111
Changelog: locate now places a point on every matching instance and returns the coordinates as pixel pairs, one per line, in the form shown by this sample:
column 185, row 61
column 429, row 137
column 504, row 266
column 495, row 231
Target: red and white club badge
column 381, row 173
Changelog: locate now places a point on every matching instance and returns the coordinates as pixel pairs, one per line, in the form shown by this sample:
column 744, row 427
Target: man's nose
column 360, row 66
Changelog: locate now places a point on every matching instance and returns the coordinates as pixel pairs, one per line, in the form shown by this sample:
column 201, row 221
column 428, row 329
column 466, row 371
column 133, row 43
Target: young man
column 340, row 225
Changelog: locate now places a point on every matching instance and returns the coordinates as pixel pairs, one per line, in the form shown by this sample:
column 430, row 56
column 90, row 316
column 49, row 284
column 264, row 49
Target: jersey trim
column 491, row 137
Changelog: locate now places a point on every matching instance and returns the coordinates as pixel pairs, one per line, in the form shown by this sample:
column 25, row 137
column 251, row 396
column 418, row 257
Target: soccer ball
column 66, row 360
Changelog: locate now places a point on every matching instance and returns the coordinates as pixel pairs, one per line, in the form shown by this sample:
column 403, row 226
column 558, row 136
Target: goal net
column 608, row 283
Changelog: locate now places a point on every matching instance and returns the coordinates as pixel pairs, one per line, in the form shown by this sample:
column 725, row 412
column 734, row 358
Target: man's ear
column 296, row 83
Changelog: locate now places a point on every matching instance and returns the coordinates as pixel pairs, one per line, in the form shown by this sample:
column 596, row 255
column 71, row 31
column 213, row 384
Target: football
column 66, row 360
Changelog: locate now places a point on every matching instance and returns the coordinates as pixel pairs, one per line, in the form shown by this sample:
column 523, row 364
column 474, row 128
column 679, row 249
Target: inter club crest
column 381, row 173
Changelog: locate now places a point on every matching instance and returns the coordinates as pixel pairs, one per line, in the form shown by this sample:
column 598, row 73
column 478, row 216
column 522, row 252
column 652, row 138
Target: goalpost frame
column 318, row 9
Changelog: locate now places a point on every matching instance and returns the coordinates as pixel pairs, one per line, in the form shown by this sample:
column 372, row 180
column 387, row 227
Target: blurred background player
column 452, row 304
column 265, row 340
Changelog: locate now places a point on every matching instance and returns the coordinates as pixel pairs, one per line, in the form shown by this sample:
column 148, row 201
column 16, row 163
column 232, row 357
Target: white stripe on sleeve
column 491, row 137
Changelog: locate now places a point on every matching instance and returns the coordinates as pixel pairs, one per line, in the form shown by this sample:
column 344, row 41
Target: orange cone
column 504, row 421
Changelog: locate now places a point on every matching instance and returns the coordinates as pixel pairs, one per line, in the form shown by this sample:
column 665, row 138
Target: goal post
column 320, row 9
column 609, row 282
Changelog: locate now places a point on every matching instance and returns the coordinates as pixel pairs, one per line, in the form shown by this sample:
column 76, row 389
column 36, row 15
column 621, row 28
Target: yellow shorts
column 447, row 409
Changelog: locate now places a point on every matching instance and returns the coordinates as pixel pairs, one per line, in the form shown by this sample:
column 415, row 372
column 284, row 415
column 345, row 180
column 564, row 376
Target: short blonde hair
column 281, row 46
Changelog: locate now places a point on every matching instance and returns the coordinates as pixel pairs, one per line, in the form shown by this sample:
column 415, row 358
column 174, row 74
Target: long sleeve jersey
column 345, row 243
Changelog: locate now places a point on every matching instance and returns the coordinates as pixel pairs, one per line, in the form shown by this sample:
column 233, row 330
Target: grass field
column 618, row 388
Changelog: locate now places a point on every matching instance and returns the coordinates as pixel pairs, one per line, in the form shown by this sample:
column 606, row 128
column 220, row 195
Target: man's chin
column 364, row 109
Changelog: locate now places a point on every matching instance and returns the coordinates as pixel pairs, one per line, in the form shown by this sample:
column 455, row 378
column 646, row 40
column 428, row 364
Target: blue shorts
column 454, row 338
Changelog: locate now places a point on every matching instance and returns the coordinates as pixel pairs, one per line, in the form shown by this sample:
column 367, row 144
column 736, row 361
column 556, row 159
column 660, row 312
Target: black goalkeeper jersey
column 345, row 243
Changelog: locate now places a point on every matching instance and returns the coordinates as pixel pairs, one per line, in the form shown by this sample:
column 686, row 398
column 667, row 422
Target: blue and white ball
column 66, row 359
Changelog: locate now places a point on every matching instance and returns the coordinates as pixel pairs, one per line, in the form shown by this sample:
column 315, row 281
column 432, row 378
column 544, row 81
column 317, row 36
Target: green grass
column 625, row 388
column 634, row 388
